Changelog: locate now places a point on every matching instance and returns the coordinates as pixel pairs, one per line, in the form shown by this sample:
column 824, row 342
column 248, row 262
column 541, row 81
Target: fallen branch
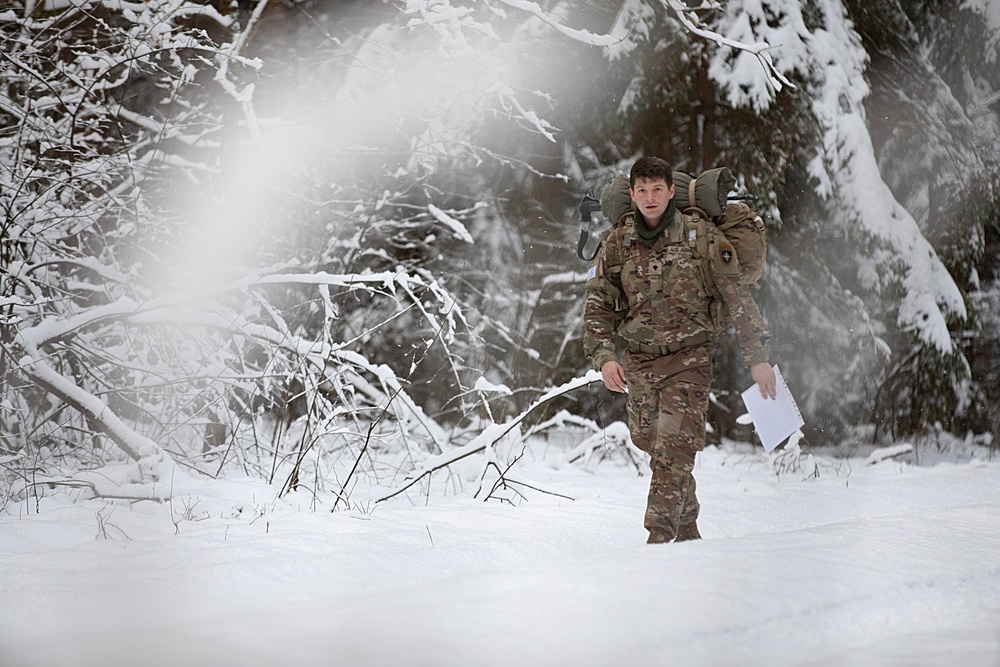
column 153, row 461
column 490, row 435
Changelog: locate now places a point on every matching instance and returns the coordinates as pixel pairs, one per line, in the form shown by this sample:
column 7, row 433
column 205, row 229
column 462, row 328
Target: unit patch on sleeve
column 726, row 253
column 726, row 262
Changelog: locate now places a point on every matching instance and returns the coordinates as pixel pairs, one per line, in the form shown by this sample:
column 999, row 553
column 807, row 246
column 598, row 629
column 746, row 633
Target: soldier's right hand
column 614, row 376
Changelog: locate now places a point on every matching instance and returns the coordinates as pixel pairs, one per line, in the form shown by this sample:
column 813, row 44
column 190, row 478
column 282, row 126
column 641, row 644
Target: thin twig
column 364, row 448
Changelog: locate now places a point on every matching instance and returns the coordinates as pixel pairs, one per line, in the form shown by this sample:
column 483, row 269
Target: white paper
column 774, row 419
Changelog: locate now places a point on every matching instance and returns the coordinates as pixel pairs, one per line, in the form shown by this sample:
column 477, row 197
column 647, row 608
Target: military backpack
column 703, row 201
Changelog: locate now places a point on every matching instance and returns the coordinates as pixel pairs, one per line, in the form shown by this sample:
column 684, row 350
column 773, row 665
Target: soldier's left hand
column 764, row 376
column 614, row 376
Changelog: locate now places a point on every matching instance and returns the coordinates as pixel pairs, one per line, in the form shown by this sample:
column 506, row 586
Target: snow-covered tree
column 137, row 312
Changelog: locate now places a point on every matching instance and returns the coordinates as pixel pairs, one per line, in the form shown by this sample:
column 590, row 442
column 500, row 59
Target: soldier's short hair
column 652, row 168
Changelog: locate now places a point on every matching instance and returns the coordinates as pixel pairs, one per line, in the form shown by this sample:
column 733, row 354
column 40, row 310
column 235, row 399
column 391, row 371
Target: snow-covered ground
column 884, row 564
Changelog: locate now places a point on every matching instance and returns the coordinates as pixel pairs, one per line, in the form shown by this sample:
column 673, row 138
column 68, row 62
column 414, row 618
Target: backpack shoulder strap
column 588, row 207
column 620, row 238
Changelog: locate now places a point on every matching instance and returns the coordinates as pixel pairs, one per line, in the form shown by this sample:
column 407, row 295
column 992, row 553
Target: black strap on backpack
column 588, row 207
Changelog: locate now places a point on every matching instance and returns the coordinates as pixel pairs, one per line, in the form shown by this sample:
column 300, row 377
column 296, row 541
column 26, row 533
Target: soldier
column 665, row 297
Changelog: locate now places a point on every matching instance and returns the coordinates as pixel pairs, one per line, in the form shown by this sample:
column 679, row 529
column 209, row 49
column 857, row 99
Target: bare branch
column 489, row 436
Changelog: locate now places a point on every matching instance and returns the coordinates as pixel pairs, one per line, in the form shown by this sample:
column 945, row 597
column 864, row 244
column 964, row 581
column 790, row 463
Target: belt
column 663, row 350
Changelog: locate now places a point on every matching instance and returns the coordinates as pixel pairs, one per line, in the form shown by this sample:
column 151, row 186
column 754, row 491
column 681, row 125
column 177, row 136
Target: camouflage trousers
column 667, row 406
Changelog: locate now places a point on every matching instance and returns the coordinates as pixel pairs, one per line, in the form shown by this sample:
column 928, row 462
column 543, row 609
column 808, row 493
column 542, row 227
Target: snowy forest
column 332, row 245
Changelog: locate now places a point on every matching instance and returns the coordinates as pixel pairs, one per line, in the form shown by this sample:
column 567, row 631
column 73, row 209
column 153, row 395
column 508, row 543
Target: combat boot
column 688, row 531
column 660, row 536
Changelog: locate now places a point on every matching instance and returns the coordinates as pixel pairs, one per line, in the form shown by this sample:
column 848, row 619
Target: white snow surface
column 883, row 564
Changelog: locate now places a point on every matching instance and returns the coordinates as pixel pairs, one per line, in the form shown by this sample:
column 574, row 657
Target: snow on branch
column 52, row 328
column 125, row 307
column 689, row 19
column 584, row 36
column 387, row 279
column 188, row 10
column 150, row 456
column 686, row 14
column 324, row 360
column 457, row 228
column 245, row 96
column 322, row 356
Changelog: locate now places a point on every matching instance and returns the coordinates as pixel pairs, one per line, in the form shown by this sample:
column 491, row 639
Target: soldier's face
column 651, row 197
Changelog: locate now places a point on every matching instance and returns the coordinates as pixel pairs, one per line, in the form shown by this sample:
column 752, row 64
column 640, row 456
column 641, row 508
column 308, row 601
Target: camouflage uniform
column 662, row 301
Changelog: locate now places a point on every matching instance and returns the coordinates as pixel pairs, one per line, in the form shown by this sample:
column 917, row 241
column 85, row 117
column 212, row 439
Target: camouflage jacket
column 679, row 290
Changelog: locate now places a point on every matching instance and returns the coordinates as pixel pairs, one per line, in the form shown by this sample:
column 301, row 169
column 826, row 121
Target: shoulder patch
column 592, row 273
column 725, row 261
column 726, row 253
